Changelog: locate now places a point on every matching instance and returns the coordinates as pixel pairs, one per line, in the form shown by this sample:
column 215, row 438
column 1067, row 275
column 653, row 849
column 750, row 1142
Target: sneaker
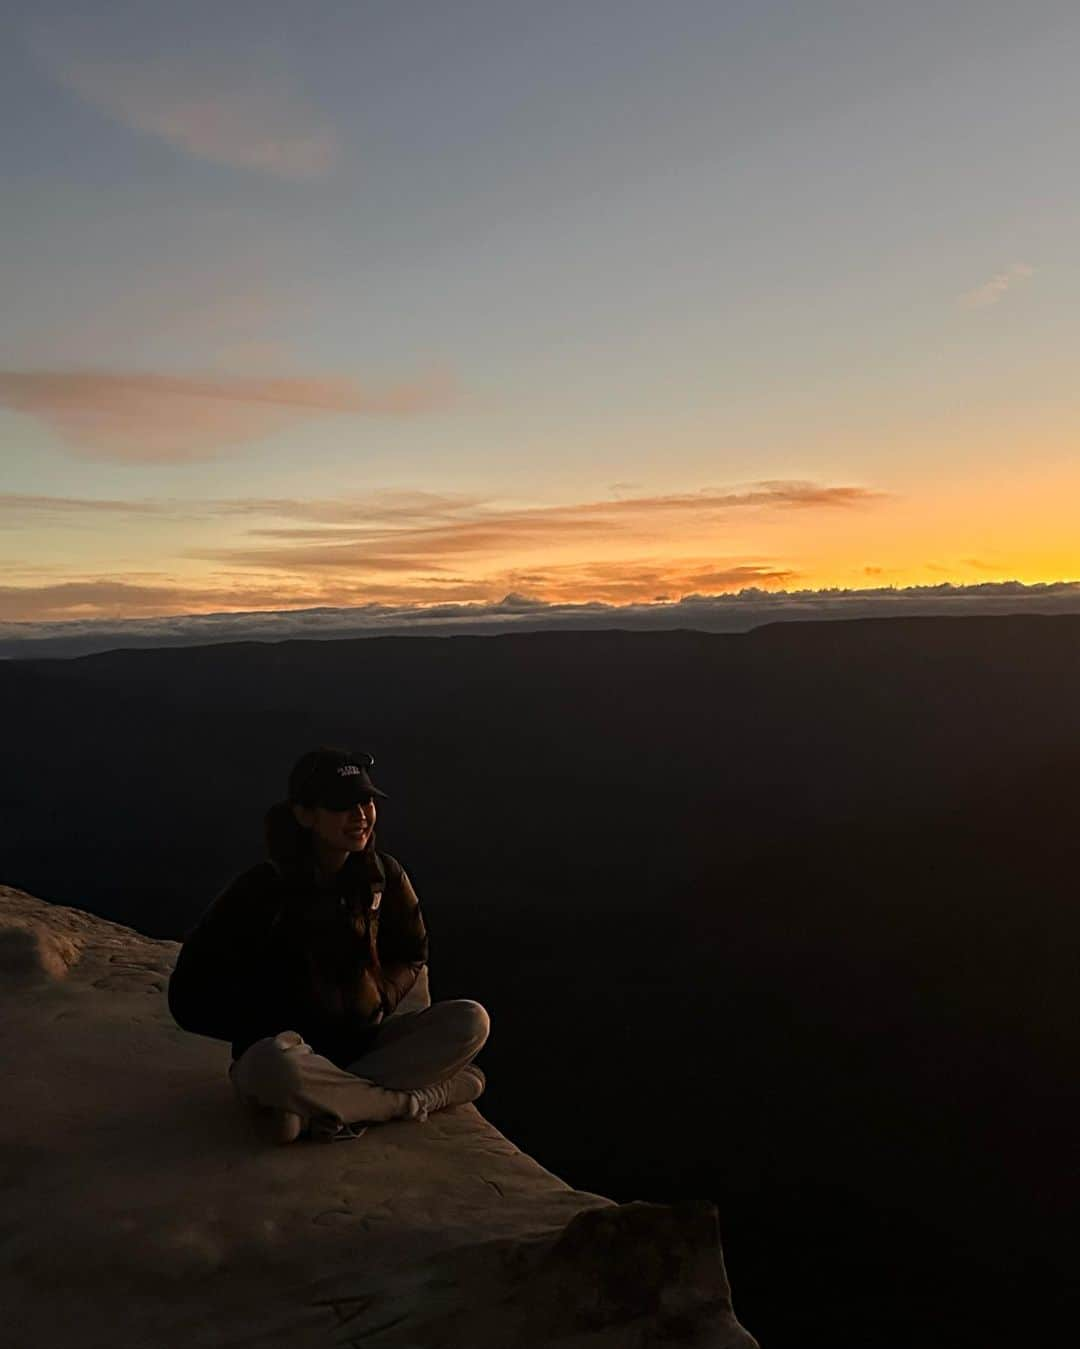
column 463, row 1087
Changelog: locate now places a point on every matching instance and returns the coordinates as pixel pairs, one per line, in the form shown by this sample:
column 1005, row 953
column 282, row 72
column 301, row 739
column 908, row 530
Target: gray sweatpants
column 419, row 1045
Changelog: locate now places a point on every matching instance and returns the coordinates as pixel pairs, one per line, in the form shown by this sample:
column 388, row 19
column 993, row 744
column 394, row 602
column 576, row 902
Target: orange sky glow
column 618, row 306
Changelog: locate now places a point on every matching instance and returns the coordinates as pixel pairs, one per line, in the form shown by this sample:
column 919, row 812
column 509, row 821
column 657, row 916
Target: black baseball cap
column 333, row 778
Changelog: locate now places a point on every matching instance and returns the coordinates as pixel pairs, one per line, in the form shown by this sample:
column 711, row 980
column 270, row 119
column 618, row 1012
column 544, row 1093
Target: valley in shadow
column 784, row 919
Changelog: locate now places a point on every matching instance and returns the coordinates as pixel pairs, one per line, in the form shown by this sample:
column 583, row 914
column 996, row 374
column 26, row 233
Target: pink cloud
column 238, row 112
column 992, row 291
column 148, row 418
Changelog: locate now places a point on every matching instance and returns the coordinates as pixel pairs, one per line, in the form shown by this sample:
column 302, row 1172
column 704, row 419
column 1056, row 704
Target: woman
column 314, row 965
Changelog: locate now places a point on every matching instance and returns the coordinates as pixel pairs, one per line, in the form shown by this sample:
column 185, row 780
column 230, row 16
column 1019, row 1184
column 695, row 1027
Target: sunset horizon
column 584, row 317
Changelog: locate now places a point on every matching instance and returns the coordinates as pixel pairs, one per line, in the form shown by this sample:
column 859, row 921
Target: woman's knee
column 469, row 1019
column 272, row 1067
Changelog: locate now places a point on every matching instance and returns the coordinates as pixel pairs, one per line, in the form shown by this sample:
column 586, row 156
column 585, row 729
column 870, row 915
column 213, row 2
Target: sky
column 379, row 306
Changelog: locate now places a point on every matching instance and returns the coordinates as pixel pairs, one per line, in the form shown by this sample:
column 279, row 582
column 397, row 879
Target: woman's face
column 339, row 830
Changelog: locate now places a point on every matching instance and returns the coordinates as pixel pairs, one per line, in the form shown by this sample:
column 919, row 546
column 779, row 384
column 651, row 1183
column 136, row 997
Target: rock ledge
column 140, row 1211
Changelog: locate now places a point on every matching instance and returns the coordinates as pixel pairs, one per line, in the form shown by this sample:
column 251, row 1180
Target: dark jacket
column 274, row 952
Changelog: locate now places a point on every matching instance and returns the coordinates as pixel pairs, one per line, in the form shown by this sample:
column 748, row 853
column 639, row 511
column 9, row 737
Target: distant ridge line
column 50, row 649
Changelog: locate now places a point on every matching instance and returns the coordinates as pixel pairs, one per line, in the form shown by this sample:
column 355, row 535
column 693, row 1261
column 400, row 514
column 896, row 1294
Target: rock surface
column 140, row 1209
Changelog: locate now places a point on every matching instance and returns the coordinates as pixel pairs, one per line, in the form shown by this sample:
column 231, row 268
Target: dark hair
column 288, row 843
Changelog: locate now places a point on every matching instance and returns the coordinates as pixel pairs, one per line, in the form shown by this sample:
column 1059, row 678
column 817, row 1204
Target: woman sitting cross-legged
column 314, row 965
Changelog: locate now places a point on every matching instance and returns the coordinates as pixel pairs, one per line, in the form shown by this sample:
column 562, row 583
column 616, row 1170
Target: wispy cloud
column 398, row 514
column 641, row 579
column 156, row 419
column 382, row 508
column 153, row 595
column 739, row 612
column 991, row 292
column 19, row 508
column 165, row 599
column 388, row 508
column 103, row 597
column 241, row 112
column 369, row 544
column 410, row 547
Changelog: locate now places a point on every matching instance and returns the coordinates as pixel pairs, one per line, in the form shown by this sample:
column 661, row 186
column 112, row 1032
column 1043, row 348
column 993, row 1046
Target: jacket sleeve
column 218, row 987
column 403, row 939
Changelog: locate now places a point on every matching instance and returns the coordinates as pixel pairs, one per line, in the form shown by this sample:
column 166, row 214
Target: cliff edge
column 140, row 1209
